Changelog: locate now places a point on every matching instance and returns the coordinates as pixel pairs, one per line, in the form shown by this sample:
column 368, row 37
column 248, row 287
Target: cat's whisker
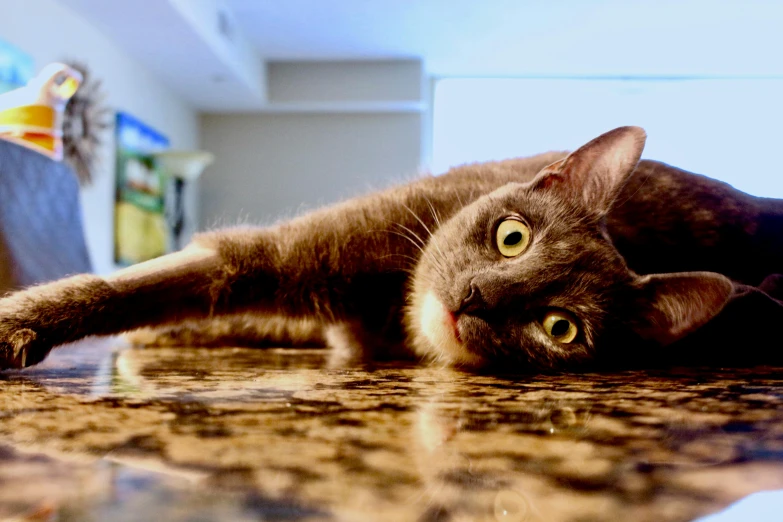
column 439, row 264
column 421, row 243
column 413, row 241
column 437, row 247
column 404, row 236
column 418, row 219
column 442, row 254
column 405, row 256
column 411, row 259
column 459, row 199
column 434, row 213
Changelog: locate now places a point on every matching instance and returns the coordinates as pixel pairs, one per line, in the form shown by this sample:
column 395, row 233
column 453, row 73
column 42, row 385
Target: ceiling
column 525, row 37
column 452, row 37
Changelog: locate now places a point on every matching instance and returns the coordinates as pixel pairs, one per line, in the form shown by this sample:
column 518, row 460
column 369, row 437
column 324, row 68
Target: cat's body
column 418, row 266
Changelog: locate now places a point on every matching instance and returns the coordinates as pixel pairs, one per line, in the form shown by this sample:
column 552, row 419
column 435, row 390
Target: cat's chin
column 438, row 326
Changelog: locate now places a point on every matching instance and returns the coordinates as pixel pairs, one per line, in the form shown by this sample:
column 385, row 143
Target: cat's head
column 527, row 276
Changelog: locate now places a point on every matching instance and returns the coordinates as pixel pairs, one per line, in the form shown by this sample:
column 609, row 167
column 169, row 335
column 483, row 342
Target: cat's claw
column 15, row 350
column 21, row 341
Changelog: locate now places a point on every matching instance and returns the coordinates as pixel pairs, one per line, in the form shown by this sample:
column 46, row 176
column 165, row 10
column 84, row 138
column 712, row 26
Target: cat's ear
column 674, row 305
column 594, row 173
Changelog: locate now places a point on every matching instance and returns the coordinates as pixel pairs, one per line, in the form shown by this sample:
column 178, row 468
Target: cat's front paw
column 23, row 325
column 35, row 320
column 18, row 348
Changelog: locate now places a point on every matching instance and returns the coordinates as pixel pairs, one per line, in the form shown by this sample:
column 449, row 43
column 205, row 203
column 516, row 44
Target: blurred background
column 304, row 102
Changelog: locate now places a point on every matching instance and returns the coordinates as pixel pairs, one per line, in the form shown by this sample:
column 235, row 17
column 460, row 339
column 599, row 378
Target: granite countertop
column 104, row 432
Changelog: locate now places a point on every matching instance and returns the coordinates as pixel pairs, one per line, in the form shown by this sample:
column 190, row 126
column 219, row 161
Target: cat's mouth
column 441, row 328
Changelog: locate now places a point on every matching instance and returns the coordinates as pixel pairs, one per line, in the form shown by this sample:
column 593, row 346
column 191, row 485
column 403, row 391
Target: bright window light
column 729, row 129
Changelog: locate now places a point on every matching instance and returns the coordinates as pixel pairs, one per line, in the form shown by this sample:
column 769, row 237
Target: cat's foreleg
column 290, row 270
column 173, row 287
column 227, row 272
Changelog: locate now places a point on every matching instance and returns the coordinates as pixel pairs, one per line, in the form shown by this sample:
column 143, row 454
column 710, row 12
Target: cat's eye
column 512, row 237
column 560, row 326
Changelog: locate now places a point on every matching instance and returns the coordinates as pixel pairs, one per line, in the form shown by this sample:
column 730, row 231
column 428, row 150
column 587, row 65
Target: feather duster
column 86, row 118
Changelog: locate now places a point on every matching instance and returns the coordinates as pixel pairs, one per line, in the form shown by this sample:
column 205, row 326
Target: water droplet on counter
column 511, row 506
column 563, row 418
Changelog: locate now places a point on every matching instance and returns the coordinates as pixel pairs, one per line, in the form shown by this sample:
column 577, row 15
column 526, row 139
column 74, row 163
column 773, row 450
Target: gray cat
column 530, row 264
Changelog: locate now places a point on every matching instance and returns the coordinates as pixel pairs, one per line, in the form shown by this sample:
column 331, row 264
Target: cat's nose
column 472, row 300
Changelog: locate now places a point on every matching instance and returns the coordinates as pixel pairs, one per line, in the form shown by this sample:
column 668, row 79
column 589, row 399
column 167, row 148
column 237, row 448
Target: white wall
column 724, row 128
column 50, row 32
column 278, row 164
column 273, row 165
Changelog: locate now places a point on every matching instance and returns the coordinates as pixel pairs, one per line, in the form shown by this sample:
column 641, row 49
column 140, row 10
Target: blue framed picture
column 16, row 67
column 140, row 229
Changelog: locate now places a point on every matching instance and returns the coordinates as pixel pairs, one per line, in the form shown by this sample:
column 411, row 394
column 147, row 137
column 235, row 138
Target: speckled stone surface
column 102, row 432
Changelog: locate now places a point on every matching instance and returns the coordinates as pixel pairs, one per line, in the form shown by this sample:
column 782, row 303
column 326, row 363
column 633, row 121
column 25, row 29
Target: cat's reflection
column 476, row 462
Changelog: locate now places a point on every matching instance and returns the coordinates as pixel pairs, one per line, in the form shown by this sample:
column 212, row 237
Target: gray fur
column 353, row 271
